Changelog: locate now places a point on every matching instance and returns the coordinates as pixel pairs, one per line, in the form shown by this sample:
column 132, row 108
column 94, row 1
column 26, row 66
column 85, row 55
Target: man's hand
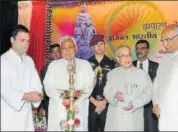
column 128, row 107
column 33, row 96
column 101, row 105
column 41, row 95
column 97, row 110
column 119, row 96
column 156, row 110
column 94, row 101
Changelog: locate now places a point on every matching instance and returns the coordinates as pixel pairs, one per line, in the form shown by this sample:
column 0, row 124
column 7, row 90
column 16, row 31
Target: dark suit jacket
column 150, row 121
column 42, row 76
column 152, row 68
column 45, row 101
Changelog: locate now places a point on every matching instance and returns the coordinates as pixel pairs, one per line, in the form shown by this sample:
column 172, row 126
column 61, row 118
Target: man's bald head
column 123, row 54
column 169, row 38
column 173, row 28
column 120, row 48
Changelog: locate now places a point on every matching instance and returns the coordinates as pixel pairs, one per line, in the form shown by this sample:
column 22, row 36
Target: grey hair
column 121, row 46
column 66, row 38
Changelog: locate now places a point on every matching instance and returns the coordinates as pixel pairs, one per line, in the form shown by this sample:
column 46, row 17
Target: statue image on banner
column 83, row 32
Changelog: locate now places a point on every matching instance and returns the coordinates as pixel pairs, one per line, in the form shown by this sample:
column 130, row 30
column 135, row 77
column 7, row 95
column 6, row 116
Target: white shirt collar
column 19, row 57
column 145, row 64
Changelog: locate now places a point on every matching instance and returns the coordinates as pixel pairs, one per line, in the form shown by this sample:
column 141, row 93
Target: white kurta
column 57, row 78
column 17, row 77
column 165, row 91
column 136, row 85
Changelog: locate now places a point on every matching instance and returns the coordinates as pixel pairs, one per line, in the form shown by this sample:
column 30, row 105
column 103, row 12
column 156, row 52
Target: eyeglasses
column 125, row 56
column 166, row 41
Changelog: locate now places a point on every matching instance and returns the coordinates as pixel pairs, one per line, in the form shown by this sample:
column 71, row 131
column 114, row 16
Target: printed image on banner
column 121, row 22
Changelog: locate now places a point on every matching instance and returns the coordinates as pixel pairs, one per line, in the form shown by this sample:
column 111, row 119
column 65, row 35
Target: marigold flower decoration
column 71, row 120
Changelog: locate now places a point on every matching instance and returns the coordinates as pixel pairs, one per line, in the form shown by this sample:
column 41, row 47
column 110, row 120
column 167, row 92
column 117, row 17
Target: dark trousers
column 45, row 106
column 150, row 120
column 96, row 122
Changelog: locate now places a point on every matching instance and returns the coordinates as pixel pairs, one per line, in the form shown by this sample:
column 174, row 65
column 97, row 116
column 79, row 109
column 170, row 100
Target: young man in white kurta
column 134, row 85
column 57, row 78
column 20, row 85
column 165, row 87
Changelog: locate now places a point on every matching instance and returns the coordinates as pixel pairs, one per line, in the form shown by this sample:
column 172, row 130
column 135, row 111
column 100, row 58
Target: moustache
column 139, row 53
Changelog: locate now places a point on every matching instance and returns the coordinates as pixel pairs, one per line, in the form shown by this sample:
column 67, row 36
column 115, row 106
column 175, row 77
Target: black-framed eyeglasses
column 165, row 41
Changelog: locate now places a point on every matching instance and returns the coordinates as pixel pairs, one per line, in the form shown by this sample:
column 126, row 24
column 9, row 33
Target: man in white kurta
column 127, row 90
column 20, row 85
column 165, row 87
column 57, row 79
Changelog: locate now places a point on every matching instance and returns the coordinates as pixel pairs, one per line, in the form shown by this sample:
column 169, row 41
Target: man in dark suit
column 142, row 49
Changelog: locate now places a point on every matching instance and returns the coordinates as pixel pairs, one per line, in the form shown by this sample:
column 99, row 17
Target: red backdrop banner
column 37, row 28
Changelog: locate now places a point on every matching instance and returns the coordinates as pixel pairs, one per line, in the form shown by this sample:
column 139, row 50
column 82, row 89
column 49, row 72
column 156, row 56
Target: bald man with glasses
column 128, row 90
column 165, row 88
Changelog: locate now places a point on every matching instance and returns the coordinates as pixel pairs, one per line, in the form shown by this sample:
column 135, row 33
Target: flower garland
column 71, row 120
column 39, row 124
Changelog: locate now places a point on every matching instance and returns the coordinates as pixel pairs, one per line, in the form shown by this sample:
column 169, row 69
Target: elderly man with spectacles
column 127, row 90
column 165, row 88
